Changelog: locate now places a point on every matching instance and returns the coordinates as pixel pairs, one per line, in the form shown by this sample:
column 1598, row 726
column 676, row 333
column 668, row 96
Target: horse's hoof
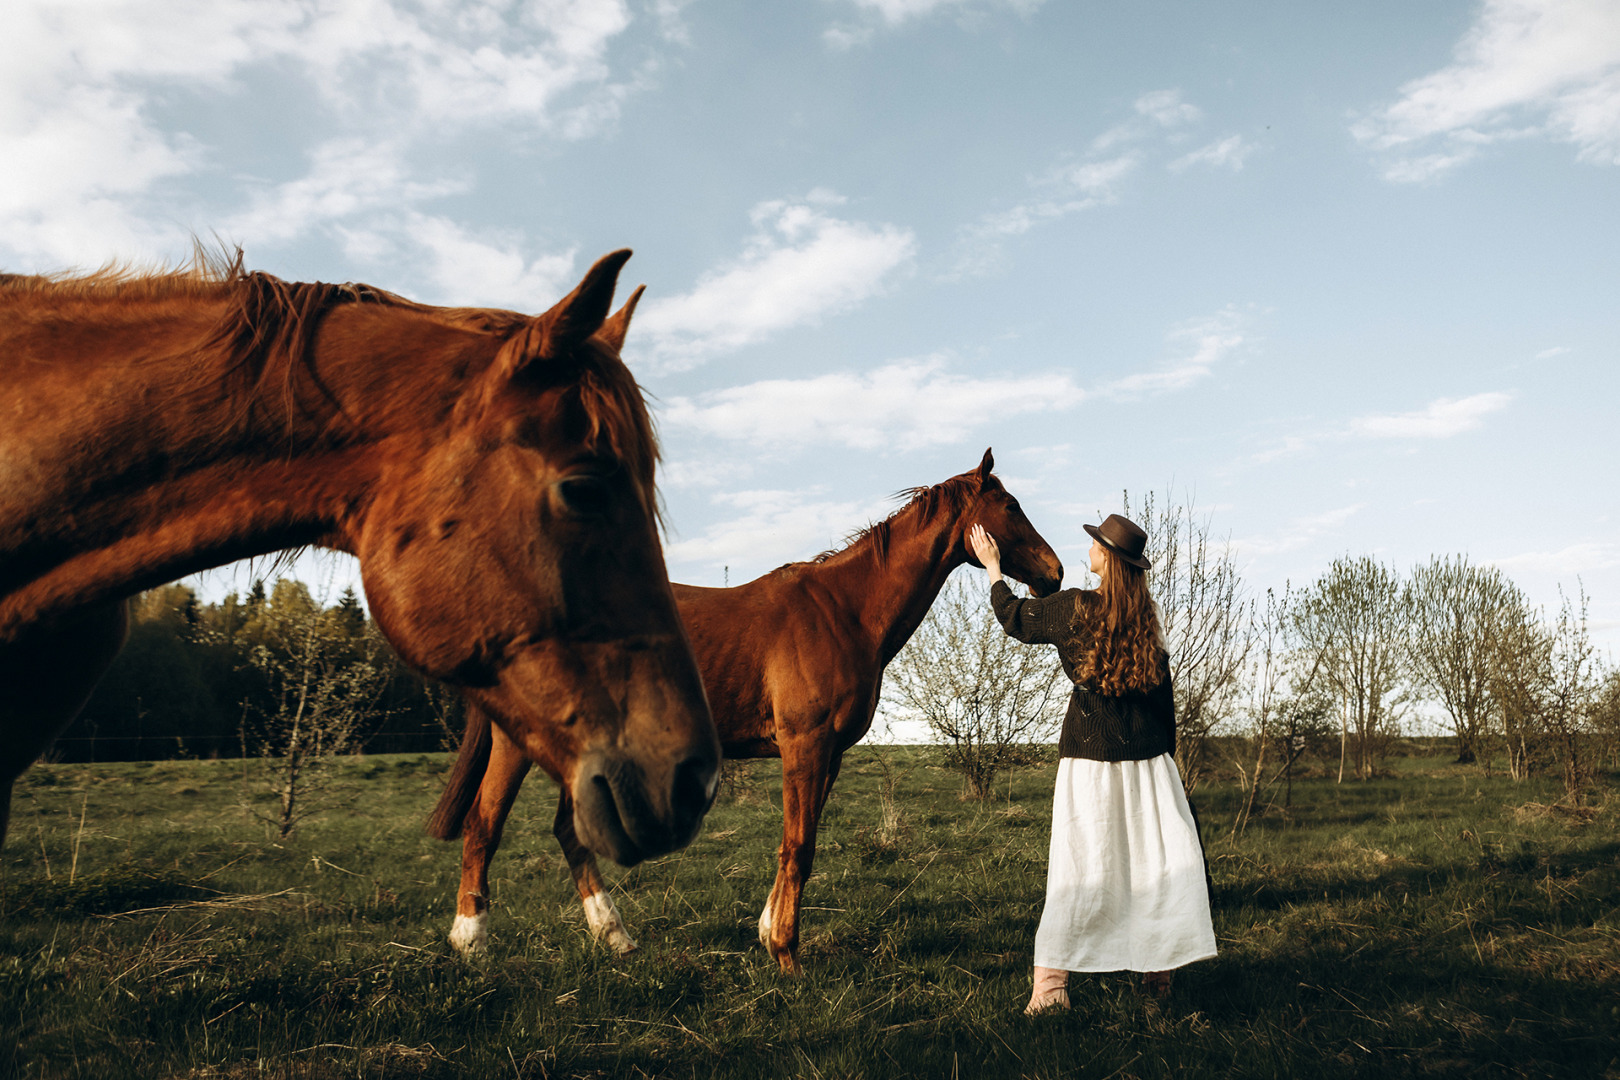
column 621, row 943
column 469, row 936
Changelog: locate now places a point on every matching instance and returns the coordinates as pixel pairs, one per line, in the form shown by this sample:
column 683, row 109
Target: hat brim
column 1134, row 560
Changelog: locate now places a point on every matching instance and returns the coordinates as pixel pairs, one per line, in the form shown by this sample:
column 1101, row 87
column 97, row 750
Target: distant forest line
column 200, row 680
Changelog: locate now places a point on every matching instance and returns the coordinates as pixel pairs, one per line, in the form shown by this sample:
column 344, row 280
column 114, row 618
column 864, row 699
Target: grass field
column 1433, row 923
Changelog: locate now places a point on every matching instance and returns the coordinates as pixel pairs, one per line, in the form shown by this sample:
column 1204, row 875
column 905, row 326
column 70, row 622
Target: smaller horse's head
column 1025, row 555
column 514, row 552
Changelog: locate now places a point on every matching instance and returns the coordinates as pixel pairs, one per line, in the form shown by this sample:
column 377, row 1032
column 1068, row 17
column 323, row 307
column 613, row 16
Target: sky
column 1346, row 276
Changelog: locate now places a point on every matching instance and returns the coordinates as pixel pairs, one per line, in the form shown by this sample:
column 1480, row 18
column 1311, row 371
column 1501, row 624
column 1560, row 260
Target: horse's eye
column 1012, row 507
column 587, row 496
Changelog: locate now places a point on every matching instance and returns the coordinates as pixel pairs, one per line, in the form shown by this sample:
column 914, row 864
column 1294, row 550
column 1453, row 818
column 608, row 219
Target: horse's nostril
column 694, row 788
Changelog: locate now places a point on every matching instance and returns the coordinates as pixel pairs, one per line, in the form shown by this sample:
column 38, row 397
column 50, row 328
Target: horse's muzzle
column 620, row 813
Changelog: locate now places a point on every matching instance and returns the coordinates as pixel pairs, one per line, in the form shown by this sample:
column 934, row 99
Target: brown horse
column 492, row 471
column 793, row 662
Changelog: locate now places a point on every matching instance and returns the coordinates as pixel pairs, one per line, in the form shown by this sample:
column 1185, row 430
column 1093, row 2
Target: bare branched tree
column 324, row 680
column 1458, row 611
column 1606, row 717
column 1264, row 680
column 1351, row 625
column 1205, row 618
column 1520, row 667
column 982, row 691
column 1573, row 685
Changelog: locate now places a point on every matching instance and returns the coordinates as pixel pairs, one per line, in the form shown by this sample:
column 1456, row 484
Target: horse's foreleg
column 481, row 835
column 47, row 677
column 602, row 917
column 805, row 783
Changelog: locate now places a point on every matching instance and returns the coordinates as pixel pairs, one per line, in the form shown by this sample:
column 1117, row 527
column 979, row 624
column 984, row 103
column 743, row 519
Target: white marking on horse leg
column 765, row 923
column 606, row 926
column 470, row 933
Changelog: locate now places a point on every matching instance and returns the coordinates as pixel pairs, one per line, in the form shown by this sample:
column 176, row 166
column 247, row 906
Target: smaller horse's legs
column 600, row 914
column 45, row 679
column 807, row 778
column 481, row 835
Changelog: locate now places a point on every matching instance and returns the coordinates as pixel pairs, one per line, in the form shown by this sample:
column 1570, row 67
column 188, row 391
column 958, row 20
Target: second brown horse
column 793, row 664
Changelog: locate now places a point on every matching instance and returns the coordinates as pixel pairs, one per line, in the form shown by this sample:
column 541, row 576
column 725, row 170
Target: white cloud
column 892, row 13
column 1547, row 68
column 364, row 194
column 1227, row 153
column 1552, row 353
column 476, row 59
column 909, row 404
column 1203, row 343
column 487, row 272
column 704, row 471
column 1156, row 112
column 771, row 528
column 87, row 163
column 1442, row 419
column 1578, row 558
column 1299, row 532
column 1166, row 109
column 1068, row 188
column 800, row 265
column 1075, row 185
column 895, row 12
column 347, row 177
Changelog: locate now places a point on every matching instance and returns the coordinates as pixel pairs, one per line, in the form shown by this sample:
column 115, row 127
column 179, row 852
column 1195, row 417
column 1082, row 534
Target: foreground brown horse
column 492, row 471
column 793, row 662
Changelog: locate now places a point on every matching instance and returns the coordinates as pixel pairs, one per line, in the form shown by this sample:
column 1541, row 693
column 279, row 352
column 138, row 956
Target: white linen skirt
column 1125, row 886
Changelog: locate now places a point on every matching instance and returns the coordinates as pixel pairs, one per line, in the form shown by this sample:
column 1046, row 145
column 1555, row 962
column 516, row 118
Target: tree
column 1351, row 626
column 156, row 699
column 1573, row 684
column 1457, row 613
column 1606, row 717
column 1195, row 582
column 322, row 688
column 982, row 691
column 1521, row 664
column 1264, row 681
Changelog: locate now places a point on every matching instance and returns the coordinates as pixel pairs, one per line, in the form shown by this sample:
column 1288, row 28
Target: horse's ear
column 575, row 317
column 613, row 331
column 985, row 466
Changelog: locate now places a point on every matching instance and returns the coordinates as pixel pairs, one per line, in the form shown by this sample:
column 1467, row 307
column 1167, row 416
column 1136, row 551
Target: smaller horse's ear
column 575, row 317
column 985, row 466
column 613, row 331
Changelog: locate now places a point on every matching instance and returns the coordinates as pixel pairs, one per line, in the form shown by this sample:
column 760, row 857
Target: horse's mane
column 264, row 340
column 925, row 502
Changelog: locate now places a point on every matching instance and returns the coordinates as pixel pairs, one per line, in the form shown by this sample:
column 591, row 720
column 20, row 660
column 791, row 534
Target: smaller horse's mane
column 925, row 502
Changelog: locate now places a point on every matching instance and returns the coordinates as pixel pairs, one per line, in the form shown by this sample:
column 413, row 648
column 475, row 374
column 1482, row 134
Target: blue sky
column 1347, row 273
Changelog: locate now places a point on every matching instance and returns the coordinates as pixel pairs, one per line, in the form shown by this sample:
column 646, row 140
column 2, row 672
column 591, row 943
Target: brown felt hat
column 1123, row 537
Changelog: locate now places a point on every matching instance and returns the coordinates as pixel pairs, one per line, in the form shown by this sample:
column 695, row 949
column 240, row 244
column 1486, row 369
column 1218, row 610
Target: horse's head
column 1025, row 555
column 515, row 554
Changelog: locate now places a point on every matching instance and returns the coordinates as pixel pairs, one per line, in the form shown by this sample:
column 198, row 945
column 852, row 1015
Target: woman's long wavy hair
column 1127, row 644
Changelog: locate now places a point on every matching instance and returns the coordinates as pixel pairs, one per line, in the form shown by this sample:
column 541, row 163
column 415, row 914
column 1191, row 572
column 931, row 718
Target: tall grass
column 1434, row 923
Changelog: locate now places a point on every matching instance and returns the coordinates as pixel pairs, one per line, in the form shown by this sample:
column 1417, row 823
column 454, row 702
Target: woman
column 1125, row 887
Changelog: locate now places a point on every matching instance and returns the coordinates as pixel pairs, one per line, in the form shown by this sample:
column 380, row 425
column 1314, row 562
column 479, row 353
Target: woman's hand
column 985, row 550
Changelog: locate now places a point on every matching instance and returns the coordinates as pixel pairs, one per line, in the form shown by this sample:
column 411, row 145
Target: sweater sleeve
column 1024, row 618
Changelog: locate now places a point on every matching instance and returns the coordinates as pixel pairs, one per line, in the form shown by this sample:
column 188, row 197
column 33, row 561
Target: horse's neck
column 893, row 597
column 143, row 468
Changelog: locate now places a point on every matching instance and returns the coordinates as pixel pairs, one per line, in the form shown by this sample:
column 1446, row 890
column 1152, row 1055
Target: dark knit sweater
column 1133, row 726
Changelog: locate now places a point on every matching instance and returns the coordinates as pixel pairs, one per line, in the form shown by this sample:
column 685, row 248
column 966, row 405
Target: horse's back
column 771, row 651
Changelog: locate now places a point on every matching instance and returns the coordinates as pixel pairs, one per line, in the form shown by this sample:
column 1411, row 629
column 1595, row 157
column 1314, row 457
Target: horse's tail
column 468, row 773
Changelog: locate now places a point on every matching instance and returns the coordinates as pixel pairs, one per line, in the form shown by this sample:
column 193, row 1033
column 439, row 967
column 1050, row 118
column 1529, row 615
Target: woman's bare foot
column 1050, row 992
column 1156, row 983
column 1053, row 999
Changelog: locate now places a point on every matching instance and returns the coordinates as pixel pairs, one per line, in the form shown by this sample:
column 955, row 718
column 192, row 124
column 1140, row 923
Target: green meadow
column 1434, row 922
